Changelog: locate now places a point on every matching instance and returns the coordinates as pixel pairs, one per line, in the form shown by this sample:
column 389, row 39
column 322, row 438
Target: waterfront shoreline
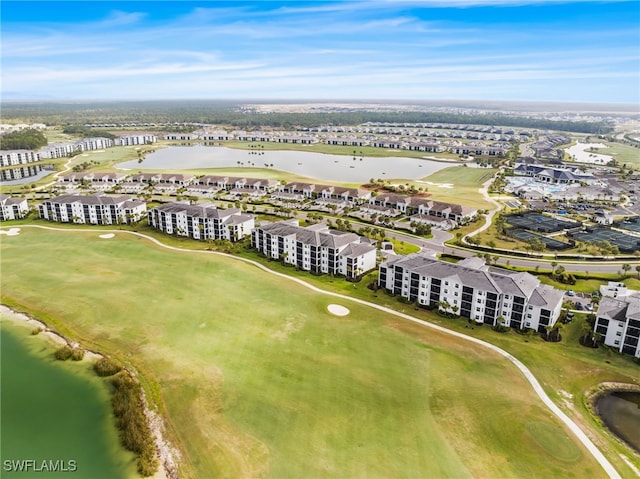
column 167, row 454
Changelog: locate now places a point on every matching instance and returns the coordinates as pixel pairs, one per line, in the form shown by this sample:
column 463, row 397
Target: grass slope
column 257, row 379
column 466, row 183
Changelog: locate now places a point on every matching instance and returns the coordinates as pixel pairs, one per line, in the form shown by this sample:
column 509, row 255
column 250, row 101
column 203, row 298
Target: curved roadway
column 579, row 434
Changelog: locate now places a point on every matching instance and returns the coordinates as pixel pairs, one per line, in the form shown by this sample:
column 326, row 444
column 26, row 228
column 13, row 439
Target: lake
column 620, row 411
column 313, row 165
column 55, row 412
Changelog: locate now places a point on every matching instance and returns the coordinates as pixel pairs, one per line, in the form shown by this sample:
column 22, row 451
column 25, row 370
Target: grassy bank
column 257, row 383
column 458, row 184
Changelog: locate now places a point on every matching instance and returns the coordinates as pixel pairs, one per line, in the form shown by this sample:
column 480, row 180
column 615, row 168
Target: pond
column 22, row 175
column 349, row 169
column 620, row 412
column 579, row 153
column 55, row 412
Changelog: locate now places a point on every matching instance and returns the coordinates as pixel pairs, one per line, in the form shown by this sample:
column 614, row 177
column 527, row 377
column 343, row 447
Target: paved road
column 573, row 427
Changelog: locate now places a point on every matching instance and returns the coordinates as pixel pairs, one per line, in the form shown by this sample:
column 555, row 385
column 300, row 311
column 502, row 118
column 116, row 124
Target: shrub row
column 135, row 433
column 66, row 352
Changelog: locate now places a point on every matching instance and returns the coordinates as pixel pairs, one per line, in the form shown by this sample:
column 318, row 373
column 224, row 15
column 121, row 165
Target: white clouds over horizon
column 359, row 50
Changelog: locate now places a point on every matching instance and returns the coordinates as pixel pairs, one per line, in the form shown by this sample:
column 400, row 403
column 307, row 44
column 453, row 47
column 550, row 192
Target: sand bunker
column 107, row 236
column 338, row 310
column 10, row 232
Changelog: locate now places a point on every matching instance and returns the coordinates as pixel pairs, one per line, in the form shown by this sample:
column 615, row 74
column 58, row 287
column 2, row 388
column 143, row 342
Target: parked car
column 571, row 293
column 578, row 306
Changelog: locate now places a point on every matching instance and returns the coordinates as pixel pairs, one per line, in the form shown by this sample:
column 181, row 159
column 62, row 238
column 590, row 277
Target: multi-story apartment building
column 12, row 208
column 58, row 150
column 201, row 222
column 131, row 140
column 316, row 248
column 18, row 157
column 473, row 290
column 618, row 321
column 96, row 209
column 88, row 144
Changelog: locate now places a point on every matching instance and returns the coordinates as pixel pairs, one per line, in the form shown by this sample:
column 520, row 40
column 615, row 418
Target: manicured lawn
column 464, row 185
column 623, row 154
column 256, row 379
column 336, row 150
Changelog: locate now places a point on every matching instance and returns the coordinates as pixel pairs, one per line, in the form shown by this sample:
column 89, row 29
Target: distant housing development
column 201, row 222
column 12, row 208
column 93, row 209
column 316, row 248
column 618, row 319
column 473, row 290
column 140, row 139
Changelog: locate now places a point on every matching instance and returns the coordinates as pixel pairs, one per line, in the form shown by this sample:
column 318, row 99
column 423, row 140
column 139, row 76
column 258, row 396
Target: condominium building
column 18, row 157
column 316, row 248
column 131, row 140
column 618, row 321
column 201, row 222
column 473, row 290
column 12, row 208
column 96, row 209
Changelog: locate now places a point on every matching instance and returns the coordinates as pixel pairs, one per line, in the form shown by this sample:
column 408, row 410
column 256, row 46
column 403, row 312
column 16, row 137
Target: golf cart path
column 580, row 435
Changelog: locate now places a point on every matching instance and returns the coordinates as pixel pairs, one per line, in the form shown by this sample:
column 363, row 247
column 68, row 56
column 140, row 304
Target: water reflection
column 620, row 411
column 357, row 169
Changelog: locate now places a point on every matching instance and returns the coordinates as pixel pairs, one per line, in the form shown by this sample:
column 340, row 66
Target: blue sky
column 555, row 50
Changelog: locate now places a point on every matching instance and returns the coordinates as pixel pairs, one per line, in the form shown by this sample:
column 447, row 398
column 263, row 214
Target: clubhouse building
column 201, row 222
column 316, row 248
column 618, row 319
column 473, row 290
column 96, row 209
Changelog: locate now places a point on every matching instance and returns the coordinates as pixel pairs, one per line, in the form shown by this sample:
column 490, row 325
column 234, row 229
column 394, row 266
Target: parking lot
column 580, row 301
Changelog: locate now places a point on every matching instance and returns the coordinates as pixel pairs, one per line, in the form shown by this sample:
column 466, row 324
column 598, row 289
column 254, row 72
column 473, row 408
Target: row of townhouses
column 473, row 290
column 618, row 318
column 12, row 208
column 316, row 248
column 436, row 213
column 410, row 143
column 61, row 150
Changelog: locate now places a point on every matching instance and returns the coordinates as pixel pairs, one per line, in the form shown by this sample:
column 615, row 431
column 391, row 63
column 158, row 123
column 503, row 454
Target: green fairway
column 355, row 151
column 458, row 184
column 256, row 379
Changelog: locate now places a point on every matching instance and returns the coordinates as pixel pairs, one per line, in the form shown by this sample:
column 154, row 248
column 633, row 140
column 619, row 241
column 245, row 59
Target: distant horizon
column 459, row 103
column 574, row 51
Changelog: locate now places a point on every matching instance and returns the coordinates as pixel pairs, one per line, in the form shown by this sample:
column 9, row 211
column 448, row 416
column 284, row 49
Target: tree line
column 234, row 115
column 27, row 139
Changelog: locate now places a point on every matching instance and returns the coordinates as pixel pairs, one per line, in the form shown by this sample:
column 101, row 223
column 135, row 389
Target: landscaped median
column 257, row 378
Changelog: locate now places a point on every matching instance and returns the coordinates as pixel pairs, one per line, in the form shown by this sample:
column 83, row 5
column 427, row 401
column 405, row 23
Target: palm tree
column 626, row 267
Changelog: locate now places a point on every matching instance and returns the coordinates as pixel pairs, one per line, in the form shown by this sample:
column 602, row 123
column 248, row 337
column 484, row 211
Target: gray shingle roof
column 476, row 275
